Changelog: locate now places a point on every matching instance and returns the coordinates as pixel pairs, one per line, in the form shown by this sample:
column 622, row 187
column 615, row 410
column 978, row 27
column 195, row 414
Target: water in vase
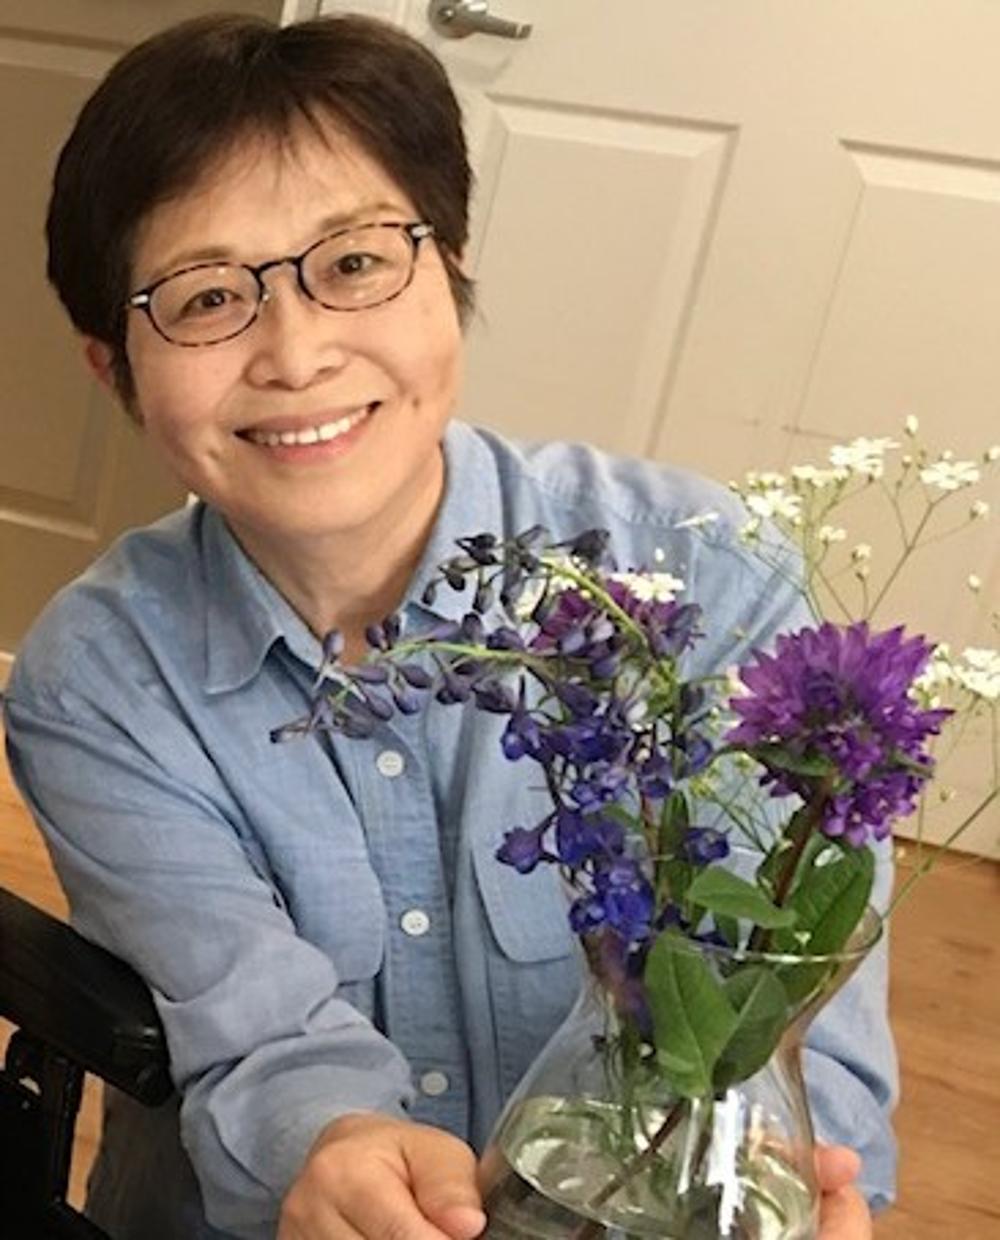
column 558, row 1154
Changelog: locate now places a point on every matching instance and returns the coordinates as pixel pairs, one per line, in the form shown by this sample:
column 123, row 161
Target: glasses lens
column 205, row 304
column 359, row 268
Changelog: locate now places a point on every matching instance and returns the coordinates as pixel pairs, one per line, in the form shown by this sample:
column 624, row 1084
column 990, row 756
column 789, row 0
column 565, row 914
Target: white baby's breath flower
column 659, row 555
column 974, row 582
column 949, row 475
column 750, row 532
column 765, row 480
column 992, row 454
column 861, row 553
column 979, row 509
column 809, row 475
column 650, row 587
column 775, row 503
column 697, row 522
column 862, row 456
column 938, row 672
column 911, row 425
column 984, row 658
column 828, row 534
column 976, row 670
column 734, row 685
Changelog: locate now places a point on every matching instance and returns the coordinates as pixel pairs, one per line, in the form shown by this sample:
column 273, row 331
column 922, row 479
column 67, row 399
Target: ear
column 98, row 355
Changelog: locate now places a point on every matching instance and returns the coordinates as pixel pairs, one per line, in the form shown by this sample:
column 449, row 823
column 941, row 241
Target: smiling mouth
column 319, row 432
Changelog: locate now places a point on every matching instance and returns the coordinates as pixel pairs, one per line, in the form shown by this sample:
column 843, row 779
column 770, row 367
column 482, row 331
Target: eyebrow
column 225, row 254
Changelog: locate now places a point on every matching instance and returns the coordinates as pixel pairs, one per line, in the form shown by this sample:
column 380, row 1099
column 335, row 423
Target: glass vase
column 595, row 1144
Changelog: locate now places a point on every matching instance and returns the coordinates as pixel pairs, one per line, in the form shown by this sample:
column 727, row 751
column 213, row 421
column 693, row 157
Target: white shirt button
column 415, row 922
column 433, row 1084
column 390, row 763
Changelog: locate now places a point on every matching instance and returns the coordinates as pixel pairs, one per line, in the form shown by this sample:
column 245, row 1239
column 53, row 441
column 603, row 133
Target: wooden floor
column 946, row 1011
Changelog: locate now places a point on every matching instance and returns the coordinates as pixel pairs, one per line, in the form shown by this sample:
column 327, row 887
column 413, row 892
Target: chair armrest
column 89, row 1005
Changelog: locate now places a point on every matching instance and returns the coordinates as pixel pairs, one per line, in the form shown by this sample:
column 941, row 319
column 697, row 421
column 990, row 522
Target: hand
column 374, row 1177
column 843, row 1212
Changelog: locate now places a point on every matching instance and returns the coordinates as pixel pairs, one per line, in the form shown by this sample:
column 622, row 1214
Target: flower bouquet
column 671, row 1102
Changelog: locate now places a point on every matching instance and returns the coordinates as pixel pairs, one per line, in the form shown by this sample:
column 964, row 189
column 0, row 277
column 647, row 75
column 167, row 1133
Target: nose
column 296, row 341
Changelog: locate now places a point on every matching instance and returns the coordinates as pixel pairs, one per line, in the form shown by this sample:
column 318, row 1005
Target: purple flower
column 703, row 845
column 522, row 848
column 627, row 897
column 523, row 737
column 581, row 837
column 833, row 705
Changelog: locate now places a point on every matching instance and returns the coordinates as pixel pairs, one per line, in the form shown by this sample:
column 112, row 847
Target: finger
column 390, row 1210
column 836, row 1167
column 845, row 1216
column 444, row 1179
column 317, row 1221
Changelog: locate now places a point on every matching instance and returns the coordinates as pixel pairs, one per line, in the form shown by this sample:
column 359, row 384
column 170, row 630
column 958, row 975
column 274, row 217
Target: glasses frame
column 414, row 231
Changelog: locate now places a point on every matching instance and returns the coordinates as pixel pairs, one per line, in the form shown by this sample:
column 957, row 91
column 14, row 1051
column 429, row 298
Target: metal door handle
column 456, row 19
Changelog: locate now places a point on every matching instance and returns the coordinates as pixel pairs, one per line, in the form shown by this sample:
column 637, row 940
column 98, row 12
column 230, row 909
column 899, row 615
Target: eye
column 209, row 301
column 358, row 263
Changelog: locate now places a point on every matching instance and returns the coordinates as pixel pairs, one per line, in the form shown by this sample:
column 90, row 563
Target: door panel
column 74, row 471
column 726, row 235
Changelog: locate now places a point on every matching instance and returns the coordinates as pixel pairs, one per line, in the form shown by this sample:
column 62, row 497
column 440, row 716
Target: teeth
column 322, row 433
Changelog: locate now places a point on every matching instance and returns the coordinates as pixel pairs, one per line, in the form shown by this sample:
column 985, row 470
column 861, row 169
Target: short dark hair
column 186, row 97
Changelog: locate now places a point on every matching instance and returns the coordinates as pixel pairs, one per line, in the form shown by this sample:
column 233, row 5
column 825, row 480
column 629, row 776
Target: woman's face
column 375, row 385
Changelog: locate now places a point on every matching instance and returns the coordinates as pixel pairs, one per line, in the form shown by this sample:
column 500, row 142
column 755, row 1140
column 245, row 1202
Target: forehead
column 267, row 196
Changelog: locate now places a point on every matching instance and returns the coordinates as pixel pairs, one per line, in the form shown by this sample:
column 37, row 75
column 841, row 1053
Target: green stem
column 591, row 1230
column 908, row 549
column 930, row 862
column 799, row 831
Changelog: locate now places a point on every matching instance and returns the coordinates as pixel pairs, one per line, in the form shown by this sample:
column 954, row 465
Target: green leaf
column 674, row 821
column 783, row 759
column 692, row 1018
column 631, row 822
column 830, row 899
column 722, row 892
column 762, row 1013
column 729, row 928
column 770, row 869
column 673, row 879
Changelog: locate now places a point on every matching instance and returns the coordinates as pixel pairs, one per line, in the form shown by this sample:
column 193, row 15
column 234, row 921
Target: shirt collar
column 246, row 615
column 472, row 504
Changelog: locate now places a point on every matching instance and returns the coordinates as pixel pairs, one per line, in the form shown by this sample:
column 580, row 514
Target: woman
column 349, row 983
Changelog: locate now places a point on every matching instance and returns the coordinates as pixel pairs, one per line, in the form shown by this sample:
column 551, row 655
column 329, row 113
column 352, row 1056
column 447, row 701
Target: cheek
column 177, row 394
column 436, row 363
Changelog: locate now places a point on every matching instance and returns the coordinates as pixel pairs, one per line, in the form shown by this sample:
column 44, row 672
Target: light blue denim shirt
column 323, row 923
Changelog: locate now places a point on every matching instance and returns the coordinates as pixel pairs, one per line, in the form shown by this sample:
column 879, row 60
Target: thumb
column 836, row 1167
column 443, row 1180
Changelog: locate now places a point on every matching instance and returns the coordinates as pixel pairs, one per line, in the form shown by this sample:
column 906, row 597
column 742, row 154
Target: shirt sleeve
column 849, row 1057
column 263, row 1051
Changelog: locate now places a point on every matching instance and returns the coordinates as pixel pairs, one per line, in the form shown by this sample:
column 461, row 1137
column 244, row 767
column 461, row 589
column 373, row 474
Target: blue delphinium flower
column 833, row 706
column 703, row 845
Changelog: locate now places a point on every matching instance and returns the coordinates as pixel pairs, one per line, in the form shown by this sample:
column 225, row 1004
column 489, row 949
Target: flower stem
column 591, row 1230
column 799, row 832
column 931, row 861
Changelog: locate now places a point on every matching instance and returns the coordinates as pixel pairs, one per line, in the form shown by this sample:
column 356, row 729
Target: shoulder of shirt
column 634, row 491
column 95, row 619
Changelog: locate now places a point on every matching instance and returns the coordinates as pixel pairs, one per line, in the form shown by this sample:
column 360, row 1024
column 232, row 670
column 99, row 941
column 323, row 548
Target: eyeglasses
column 353, row 269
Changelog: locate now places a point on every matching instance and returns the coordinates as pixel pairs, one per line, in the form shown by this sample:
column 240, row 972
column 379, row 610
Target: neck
column 349, row 579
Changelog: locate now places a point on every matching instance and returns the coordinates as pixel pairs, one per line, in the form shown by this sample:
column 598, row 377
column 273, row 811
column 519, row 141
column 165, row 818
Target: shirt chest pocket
column 532, row 960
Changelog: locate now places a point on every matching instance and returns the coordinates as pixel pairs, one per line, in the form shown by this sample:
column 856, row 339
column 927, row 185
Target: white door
column 726, row 232
column 74, row 472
